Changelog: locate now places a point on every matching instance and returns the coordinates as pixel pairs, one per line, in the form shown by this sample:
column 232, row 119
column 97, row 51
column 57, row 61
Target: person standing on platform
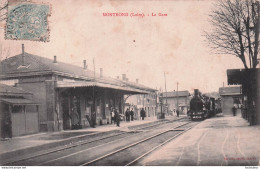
column 178, row 112
column 142, row 113
column 93, row 119
column 234, row 110
column 113, row 121
column 117, row 118
column 88, row 116
column 127, row 115
column 132, row 114
column 75, row 118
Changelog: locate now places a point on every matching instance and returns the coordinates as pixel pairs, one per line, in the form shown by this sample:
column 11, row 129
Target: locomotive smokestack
column 196, row 92
column 55, row 59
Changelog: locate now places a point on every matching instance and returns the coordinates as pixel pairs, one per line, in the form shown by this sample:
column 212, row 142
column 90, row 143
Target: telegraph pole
column 177, row 97
column 93, row 113
column 166, row 94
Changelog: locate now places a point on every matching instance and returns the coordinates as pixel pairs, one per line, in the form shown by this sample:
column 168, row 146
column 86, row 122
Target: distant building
column 139, row 101
column 230, row 96
column 176, row 100
column 70, row 96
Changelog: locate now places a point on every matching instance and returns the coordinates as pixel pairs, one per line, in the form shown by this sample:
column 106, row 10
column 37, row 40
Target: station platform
column 218, row 141
column 36, row 142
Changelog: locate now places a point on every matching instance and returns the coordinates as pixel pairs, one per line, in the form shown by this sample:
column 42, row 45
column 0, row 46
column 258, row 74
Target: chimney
column 137, row 80
column 55, row 59
column 23, row 64
column 123, row 76
column 101, row 72
column 85, row 64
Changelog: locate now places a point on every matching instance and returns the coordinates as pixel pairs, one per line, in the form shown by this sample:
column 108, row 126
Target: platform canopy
column 62, row 84
column 242, row 76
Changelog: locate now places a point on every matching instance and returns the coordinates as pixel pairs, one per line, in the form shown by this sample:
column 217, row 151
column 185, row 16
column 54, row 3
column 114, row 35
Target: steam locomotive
column 202, row 107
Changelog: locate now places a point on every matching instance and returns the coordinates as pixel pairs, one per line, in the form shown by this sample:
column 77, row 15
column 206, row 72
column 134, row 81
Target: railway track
column 126, row 156
column 55, row 156
column 89, row 141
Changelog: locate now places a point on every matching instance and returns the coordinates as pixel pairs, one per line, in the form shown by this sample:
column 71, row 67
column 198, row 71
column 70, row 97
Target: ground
column 219, row 141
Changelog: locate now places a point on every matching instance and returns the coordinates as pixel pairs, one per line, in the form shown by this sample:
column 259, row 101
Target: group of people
column 129, row 114
column 116, row 116
column 142, row 114
column 177, row 112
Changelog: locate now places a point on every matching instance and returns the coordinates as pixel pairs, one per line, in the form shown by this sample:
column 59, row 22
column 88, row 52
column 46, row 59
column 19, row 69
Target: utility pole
column 177, row 97
column 166, row 94
column 1, row 52
column 93, row 113
column 257, row 26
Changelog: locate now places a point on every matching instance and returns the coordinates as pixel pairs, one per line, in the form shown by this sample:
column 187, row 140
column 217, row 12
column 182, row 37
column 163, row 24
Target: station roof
column 18, row 101
column 6, row 90
column 230, row 91
column 240, row 76
column 61, row 84
column 14, row 95
column 33, row 65
column 176, row 94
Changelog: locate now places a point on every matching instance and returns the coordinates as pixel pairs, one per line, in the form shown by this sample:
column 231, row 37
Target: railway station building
column 250, row 81
column 230, row 96
column 69, row 96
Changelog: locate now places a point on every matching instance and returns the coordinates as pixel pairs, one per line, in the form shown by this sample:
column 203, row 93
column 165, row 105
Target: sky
column 143, row 48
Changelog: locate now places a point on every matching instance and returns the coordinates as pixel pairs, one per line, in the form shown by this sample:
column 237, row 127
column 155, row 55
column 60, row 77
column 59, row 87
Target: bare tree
column 3, row 13
column 235, row 30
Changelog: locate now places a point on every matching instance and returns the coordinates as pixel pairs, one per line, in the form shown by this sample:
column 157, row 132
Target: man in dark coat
column 93, row 119
column 234, row 110
column 178, row 112
column 142, row 113
column 127, row 115
column 117, row 118
column 132, row 114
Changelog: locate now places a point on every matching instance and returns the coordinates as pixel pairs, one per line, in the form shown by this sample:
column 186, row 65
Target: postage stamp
column 28, row 21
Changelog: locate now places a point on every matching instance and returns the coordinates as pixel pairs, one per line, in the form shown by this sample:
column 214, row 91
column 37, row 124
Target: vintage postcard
column 129, row 83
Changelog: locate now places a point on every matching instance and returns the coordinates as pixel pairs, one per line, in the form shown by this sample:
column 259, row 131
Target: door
column 65, row 113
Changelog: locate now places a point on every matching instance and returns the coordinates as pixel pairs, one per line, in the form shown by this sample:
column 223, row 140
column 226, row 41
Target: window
column 17, row 109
